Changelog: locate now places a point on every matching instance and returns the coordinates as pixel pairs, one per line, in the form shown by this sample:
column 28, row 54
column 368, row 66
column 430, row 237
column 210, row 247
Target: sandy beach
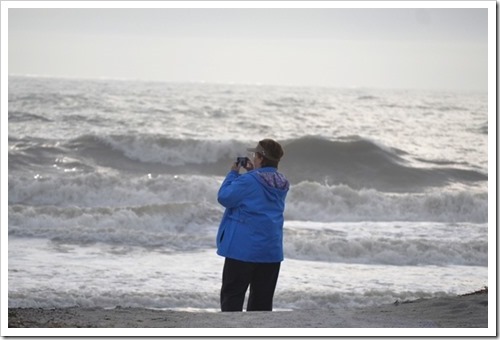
column 467, row 311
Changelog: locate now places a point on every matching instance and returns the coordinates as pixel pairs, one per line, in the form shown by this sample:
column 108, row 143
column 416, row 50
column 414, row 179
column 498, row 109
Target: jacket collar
column 267, row 169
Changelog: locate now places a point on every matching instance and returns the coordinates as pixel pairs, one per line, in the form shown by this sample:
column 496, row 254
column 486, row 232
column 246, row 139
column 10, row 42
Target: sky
column 406, row 48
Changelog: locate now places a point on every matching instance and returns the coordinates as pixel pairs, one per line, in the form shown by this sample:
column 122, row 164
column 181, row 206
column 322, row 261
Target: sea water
column 112, row 191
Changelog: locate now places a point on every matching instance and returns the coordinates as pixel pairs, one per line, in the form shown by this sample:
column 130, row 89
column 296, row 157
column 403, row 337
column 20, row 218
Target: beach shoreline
column 465, row 311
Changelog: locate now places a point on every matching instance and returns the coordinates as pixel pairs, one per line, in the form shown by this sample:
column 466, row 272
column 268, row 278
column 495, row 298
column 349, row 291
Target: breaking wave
column 356, row 162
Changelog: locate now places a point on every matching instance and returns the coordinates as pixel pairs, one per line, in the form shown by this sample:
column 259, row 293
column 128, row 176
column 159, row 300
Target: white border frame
column 492, row 91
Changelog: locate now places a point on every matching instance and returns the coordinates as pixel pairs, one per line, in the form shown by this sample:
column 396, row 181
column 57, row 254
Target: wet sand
column 469, row 311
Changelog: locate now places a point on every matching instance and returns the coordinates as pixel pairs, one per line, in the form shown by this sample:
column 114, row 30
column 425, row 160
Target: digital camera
column 242, row 161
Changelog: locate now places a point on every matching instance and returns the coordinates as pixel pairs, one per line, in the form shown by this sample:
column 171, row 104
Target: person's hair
column 274, row 150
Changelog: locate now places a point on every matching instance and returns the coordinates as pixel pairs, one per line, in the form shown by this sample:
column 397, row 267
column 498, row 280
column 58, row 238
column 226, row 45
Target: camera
column 242, row 161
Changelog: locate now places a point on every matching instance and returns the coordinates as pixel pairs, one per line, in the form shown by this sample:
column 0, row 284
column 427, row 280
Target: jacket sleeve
column 234, row 189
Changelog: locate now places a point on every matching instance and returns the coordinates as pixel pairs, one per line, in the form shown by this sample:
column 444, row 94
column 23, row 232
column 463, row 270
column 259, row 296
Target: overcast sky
column 381, row 48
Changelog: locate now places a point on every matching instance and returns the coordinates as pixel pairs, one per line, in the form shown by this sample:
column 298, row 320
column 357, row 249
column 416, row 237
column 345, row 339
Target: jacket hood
column 274, row 182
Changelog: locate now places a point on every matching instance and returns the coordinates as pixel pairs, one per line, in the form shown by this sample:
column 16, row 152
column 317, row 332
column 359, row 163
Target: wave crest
column 353, row 161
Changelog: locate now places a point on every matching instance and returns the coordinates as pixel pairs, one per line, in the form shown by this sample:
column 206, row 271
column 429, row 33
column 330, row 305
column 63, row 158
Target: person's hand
column 236, row 167
column 249, row 165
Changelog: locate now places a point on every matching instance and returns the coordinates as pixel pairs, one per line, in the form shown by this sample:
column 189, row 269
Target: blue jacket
column 251, row 229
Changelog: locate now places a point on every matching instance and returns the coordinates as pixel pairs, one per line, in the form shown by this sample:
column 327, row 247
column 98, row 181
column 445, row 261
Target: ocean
column 112, row 191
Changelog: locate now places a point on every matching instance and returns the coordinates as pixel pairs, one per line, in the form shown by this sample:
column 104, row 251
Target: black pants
column 238, row 275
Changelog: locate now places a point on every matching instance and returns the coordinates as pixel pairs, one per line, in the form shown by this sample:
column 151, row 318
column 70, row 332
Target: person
column 250, row 235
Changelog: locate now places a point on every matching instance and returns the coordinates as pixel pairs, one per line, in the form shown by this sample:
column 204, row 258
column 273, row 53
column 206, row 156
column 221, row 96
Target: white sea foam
column 173, row 152
column 306, row 201
column 102, row 276
column 192, row 226
column 111, row 190
column 390, row 243
column 323, row 202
